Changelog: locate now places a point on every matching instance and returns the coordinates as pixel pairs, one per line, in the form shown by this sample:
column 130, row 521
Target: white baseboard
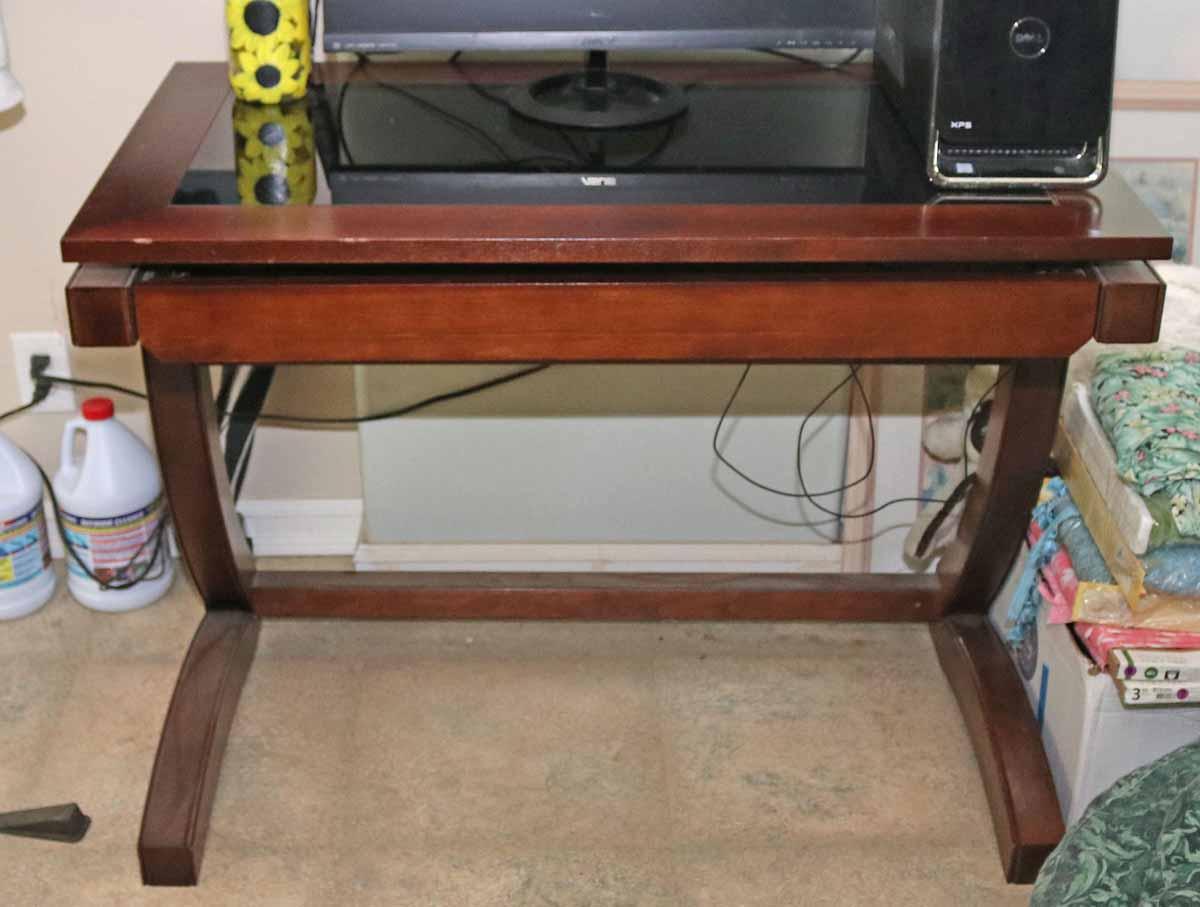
column 332, row 527
column 302, row 528
column 603, row 558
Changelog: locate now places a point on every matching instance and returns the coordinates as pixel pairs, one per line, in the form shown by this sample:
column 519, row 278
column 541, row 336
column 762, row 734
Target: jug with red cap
column 113, row 513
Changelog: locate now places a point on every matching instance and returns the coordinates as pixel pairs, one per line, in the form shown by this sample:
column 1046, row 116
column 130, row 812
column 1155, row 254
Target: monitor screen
column 382, row 26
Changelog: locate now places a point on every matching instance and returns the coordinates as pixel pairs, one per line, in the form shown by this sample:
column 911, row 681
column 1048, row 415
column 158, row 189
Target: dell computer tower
column 1004, row 93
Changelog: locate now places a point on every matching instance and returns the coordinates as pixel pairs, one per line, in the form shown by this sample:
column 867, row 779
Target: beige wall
column 88, row 69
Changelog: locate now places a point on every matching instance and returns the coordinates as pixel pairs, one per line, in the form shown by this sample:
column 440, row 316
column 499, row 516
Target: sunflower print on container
column 270, row 49
column 276, row 163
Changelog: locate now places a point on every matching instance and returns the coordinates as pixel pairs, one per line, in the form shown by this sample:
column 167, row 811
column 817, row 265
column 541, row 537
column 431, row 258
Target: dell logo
column 599, row 182
column 1029, row 38
column 962, row 124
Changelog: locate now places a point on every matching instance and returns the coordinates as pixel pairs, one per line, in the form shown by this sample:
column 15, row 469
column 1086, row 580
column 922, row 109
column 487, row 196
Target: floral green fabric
column 1164, row 531
column 1137, row 845
column 1149, row 405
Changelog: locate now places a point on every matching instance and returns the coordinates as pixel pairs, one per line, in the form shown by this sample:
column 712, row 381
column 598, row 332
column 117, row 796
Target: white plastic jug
column 112, row 510
column 26, row 576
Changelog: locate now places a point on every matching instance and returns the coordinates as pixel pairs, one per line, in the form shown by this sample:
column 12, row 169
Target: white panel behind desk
column 590, row 454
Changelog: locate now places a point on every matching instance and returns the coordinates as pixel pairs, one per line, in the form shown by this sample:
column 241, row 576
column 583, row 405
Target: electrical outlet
column 24, row 348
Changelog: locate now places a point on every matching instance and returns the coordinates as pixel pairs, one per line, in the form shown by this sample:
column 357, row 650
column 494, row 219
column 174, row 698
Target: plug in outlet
column 24, row 348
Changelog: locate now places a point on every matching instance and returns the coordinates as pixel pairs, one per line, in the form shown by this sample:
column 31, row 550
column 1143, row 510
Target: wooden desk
column 1023, row 284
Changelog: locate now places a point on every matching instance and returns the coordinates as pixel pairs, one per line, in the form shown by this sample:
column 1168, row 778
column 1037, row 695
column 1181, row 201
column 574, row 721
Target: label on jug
column 118, row 549
column 24, row 548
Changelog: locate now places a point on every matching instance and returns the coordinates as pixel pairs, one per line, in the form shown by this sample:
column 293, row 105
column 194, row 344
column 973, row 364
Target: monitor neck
column 597, row 70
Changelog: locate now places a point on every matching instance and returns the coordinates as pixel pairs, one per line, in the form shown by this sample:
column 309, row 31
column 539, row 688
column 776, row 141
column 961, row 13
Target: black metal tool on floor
column 65, row 823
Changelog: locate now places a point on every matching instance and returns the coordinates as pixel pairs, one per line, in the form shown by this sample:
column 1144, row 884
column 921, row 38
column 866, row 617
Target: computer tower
column 1002, row 93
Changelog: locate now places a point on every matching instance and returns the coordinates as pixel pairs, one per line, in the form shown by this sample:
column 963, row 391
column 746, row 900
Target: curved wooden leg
column 188, row 763
column 1008, row 745
column 991, row 697
column 1012, row 465
column 197, row 485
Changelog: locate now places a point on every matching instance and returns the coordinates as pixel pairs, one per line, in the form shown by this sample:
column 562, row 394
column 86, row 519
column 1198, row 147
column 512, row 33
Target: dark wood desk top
column 129, row 219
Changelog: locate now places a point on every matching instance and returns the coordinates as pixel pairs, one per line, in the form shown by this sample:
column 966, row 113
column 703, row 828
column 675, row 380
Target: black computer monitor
column 387, row 26
column 596, row 98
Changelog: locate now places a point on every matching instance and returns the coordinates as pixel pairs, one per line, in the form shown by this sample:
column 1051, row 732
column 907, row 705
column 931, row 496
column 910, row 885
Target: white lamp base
column 10, row 91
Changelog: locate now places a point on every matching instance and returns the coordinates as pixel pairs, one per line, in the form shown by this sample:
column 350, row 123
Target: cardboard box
column 1091, row 741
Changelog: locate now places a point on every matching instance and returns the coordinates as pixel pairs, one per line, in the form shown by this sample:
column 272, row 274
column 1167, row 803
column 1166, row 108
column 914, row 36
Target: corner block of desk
column 100, row 306
column 1131, row 302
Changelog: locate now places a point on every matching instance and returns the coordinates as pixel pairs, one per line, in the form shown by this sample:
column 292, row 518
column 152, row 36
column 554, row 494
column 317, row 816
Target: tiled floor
column 509, row 764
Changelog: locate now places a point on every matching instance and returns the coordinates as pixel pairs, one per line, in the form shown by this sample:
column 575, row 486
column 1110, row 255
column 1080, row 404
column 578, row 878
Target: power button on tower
column 1029, row 38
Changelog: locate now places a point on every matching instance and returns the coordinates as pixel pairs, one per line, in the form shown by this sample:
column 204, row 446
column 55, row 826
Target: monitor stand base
column 599, row 99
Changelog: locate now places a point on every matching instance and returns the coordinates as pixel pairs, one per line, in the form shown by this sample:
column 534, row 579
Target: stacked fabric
column 1115, row 543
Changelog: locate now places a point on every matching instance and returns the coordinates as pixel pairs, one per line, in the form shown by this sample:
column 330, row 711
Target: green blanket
column 1137, row 845
column 1149, row 405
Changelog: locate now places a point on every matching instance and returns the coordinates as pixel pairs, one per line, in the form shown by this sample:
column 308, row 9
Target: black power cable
column 412, row 407
column 453, row 119
column 242, row 421
column 804, row 494
column 975, row 414
column 852, row 376
column 18, row 410
column 448, row 116
column 812, row 496
column 312, row 420
column 341, row 112
column 580, row 157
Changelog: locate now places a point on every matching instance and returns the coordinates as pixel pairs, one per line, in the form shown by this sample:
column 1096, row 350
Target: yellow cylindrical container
column 270, row 49
column 276, row 159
